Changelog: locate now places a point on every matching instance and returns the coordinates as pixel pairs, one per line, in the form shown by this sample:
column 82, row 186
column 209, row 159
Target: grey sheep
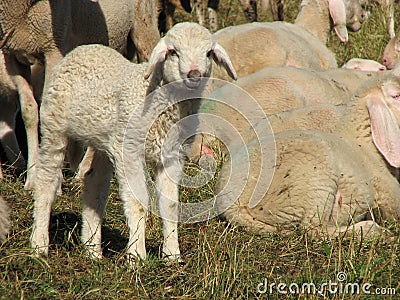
column 96, row 96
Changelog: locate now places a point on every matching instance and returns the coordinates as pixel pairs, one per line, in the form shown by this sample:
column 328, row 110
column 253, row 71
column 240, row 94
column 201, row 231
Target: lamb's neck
column 314, row 17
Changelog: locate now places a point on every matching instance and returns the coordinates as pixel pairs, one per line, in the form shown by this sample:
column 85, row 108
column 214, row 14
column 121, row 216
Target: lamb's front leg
column 133, row 192
column 95, row 192
column 167, row 187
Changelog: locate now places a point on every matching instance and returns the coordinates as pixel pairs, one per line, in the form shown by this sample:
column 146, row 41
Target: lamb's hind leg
column 48, row 180
column 94, row 198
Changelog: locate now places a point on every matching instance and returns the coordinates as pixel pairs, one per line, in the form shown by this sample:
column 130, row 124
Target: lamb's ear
column 221, row 58
column 337, row 11
column 157, row 56
column 385, row 129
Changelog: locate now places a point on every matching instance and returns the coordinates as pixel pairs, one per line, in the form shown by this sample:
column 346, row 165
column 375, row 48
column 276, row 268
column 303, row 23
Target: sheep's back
column 256, row 45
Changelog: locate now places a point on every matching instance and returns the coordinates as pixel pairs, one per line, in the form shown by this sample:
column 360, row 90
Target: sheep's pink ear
column 158, row 55
column 385, row 129
column 337, row 11
column 221, row 58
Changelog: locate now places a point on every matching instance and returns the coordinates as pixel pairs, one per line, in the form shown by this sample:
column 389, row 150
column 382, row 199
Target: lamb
column 116, row 119
column 303, row 44
column 44, row 31
column 369, row 124
column 4, row 219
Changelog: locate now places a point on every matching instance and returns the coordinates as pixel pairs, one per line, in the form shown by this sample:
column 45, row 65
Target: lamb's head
column 382, row 100
column 186, row 53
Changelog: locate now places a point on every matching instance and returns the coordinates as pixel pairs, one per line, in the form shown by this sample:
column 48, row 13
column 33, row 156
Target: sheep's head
column 186, row 53
column 391, row 54
column 383, row 104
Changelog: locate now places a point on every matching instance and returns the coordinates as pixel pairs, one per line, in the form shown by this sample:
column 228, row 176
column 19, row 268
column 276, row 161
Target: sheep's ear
column 385, row 130
column 157, row 56
column 337, row 11
column 221, row 58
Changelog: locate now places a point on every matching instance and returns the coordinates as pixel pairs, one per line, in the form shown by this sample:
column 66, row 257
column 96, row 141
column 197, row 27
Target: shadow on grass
column 65, row 229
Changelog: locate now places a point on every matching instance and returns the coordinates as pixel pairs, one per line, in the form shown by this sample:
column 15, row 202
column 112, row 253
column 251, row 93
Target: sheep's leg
column 48, row 180
column 360, row 229
column 167, row 187
column 29, row 110
column 7, row 134
column 95, row 191
column 212, row 8
column 133, row 192
column 85, row 164
column 199, row 7
column 390, row 16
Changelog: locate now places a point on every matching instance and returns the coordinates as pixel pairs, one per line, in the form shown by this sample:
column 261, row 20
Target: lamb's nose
column 194, row 75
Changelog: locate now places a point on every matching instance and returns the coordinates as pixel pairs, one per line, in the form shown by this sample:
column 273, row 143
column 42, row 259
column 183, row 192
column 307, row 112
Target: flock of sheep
column 334, row 132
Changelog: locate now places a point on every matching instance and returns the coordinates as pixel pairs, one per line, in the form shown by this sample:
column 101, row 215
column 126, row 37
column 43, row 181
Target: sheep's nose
column 194, row 75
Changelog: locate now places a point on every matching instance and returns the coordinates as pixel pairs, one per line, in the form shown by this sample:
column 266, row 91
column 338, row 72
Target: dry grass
column 222, row 262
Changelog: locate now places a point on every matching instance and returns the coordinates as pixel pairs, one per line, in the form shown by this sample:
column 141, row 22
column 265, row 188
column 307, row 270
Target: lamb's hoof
column 133, row 261
column 29, row 186
column 174, row 259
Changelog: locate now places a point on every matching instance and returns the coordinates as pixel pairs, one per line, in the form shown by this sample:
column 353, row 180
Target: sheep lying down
column 319, row 183
column 355, row 144
column 124, row 112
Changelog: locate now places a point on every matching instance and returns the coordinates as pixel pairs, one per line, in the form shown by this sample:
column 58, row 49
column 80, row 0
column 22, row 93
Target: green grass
column 222, row 261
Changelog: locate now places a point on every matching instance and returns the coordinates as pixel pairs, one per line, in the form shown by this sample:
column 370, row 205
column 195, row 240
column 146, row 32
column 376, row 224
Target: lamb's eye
column 172, row 52
column 209, row 53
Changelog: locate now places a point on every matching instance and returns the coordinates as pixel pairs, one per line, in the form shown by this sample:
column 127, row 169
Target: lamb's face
column 186, row 54
column 189, row 54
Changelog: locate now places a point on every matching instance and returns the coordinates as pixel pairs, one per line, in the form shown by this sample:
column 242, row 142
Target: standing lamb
column 112, row 119
column 44, row 31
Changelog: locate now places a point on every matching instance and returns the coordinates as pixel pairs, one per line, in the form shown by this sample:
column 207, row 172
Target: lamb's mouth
column 192, row 83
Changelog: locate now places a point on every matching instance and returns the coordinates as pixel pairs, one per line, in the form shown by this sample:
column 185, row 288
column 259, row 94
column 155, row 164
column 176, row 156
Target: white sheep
column 275, row 90
column 98, row 97
column 359, row 175
column 391, row 54
column 303, row 44
column 318, row 182
column 364, row 65
column 4, row 219
column 44, row 31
